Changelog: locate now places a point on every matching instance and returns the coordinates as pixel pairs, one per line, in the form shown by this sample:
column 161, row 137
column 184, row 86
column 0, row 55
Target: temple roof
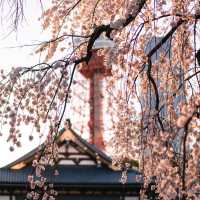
column 81, row 165
column 66, row 137
column 70, row 175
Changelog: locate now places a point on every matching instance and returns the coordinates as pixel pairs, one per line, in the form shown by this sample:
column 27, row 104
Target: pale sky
column 30, row 32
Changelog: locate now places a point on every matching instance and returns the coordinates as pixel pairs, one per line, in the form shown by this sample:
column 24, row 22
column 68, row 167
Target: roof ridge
column 93, row 150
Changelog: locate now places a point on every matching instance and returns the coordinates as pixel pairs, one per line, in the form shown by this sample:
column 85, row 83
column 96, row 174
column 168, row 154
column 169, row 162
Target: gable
column 73, row 150
column 72, row 154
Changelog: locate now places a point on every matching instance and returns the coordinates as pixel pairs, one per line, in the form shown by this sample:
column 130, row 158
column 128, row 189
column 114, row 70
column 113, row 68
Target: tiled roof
column 70, row 175
column 76, row 176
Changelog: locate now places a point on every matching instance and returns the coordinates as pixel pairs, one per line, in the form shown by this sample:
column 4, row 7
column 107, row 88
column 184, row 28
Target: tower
column 95, row 71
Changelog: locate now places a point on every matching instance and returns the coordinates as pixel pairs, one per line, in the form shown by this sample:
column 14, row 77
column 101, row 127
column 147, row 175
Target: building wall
column 3, row 197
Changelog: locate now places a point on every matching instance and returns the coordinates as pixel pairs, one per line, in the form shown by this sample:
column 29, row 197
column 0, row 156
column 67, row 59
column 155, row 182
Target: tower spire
column 96, row 71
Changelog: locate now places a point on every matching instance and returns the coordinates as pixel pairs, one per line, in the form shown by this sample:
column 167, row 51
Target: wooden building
column 85, row 173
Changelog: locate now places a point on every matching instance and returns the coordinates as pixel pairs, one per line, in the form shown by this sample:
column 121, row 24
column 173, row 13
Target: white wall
column 4, row 197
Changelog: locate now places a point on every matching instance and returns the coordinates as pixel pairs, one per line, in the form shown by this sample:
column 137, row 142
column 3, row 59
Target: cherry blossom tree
column 166, row 145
